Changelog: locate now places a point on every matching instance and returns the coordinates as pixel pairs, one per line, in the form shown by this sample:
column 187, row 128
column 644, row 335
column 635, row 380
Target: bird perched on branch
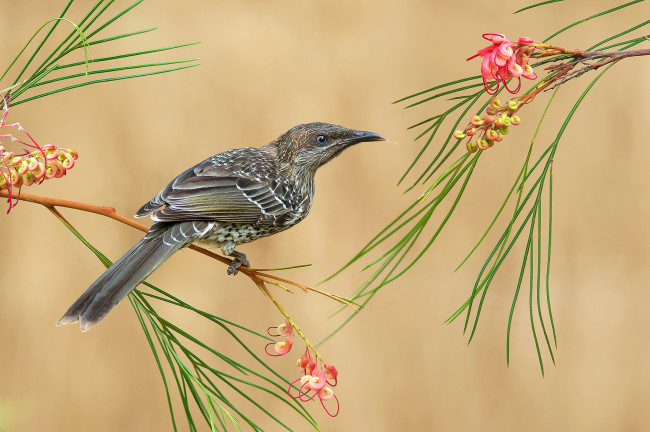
column 231, row 198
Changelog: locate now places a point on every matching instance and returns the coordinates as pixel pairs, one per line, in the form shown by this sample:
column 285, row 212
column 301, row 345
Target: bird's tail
column 127, row 273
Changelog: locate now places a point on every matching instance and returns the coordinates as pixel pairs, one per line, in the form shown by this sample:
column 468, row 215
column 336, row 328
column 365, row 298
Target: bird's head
column 309, row 146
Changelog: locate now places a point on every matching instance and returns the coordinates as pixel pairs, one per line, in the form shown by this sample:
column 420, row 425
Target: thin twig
column 51, row 203
column 566, row 73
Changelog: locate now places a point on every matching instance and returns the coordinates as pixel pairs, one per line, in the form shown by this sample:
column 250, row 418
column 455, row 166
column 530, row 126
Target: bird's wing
column 218, row 193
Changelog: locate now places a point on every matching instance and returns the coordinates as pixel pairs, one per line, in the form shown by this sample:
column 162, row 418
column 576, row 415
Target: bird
column 231, row 198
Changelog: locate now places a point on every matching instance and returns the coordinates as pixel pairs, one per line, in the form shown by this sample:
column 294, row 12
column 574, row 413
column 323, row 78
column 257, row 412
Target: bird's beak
column 363, row 136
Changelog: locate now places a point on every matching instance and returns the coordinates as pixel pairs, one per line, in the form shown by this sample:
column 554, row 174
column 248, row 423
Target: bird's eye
column 321, row 139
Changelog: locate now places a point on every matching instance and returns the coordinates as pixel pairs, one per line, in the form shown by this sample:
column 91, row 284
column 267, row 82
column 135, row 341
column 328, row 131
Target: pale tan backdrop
column 267, row 65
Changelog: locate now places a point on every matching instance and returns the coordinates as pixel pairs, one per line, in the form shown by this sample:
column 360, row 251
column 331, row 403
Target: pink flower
column 282, row 347
column 529, row 73
column 332, row 374
column 316, row 383
column 306, row 363
column 25, row 169
column 284, row 329
column 317, row 380
column 325, row 393
column 515, row 69
column 505, row 60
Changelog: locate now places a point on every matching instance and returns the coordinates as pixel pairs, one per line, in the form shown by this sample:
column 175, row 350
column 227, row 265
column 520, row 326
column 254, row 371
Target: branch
column 586, row 58
column 256, row 276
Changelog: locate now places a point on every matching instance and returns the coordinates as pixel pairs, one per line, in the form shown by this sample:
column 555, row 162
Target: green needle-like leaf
column 628, row 43
column 147, row 334
column 608, row 11
column 445, row 170
column 101, row 71
column 516, row 182
column 100, row 81
column 548, row 247
column 538, row 282
column 618, row 35
column 75, row 34
column 445, row 93
column 536, row 5
column 47, row 36
column 450, row 83
column 80, row 38
column 195, row 386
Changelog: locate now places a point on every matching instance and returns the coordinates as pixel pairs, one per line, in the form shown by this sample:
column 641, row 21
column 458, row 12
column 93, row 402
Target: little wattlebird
column 231, row 198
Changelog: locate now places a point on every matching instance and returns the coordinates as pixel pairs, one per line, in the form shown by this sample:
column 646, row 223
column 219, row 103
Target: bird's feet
column 239, row 259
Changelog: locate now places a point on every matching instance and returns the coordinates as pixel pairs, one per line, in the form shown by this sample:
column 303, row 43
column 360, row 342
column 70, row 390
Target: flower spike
column 505, row 60
column 318, row 377
column 33, row 167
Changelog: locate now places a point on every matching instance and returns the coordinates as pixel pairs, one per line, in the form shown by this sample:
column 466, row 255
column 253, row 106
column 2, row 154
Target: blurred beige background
column 266, row 66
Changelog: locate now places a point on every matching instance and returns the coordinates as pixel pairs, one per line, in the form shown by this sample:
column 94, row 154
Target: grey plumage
column 123, row 276
column 231, row 198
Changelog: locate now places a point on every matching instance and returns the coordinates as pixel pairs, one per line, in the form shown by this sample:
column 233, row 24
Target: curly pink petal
column 303, row 379
column 515, row 70
column 311, row 365
column 304, row 385
column 29, row 178
column 505, row 51
column 60, row 171
column 338, row 406
column 285, row 329
column 529, row 73
column 317, row 380
column 332, row 373
column 495, row 38
column 15, row 178
column 32, row 164
column 23, row 167
column 486, row 67
column 52, row 154
column 304, row 360
column 41, row 172
column 284, row 347
column 325, row 393
column 281, row 348
column 68, row 163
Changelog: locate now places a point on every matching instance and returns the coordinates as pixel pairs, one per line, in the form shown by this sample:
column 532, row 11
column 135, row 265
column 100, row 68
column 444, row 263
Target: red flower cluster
column 315, row 379
column 505, row 60
column 27, row 168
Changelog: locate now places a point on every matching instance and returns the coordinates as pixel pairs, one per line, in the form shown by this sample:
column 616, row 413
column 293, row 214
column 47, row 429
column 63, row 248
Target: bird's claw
column 236, row 263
